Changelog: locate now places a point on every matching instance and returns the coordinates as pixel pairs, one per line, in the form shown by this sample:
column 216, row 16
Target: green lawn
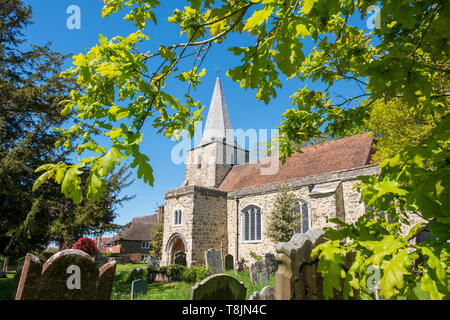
column 122, row 286
column 6, row 287
column 170, row 291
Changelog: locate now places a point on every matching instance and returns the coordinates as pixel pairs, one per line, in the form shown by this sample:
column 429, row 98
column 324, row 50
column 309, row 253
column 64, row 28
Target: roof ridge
column 306, row 147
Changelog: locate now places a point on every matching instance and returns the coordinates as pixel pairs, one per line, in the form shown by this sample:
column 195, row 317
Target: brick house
column 133, row 243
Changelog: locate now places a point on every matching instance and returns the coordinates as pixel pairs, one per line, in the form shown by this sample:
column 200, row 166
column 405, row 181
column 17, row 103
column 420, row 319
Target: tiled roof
column 139, row 229
column 330, row 156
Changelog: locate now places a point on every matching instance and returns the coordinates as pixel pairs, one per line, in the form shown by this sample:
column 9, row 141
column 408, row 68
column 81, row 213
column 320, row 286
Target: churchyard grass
column 122, row 280
column 245, row 278
column 170, row 291
column 6, row 287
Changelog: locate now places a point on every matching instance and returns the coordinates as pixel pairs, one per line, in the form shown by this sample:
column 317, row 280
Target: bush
column 87, row 245
column 46, row 254
column 255, row 256
column 173, row 271
column 195, row 274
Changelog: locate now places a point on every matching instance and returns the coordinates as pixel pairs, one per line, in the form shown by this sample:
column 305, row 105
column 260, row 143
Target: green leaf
column 307, row 6
column 71, row 184
column 107, row 163
column 258, row 17
column 429, row 286
column 393, row 272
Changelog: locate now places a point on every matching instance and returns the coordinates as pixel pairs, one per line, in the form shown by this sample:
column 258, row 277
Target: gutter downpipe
column 237, row 228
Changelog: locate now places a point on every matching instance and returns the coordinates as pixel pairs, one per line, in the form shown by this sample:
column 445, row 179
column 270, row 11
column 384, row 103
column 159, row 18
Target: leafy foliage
column 156, row 235
column 405, row 60
column 195, row 274
column 87, row 245
column 31, row 93
column 283, row 222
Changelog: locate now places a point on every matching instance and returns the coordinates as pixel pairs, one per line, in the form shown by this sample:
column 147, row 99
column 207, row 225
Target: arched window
column 177, row 215
column 302, row 212
column 251, row 224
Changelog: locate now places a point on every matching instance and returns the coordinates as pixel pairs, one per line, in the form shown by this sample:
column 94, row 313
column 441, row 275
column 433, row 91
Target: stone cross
column 68, row 275
column 219, row 287
column 138, row 287
column 258, row 273
column 228, row 262
column 213, row 259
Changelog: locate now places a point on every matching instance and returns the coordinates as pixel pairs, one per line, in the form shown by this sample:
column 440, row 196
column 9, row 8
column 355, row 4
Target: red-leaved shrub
column 87, row 245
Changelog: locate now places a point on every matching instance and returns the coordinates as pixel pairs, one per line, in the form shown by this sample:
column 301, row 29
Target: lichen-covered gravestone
column 219, row 287
column 267, row 293
column 138, row 288
column 180, row 258
column 258, row 273
column 271, row 263
column 68, row 275
column 213, row 259
column 152, row 263
column 228, row 262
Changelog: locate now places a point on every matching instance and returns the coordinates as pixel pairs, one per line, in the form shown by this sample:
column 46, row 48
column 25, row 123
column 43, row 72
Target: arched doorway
column 176, row 243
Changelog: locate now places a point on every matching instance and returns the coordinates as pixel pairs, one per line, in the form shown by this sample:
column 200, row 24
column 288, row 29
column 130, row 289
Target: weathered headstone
column 297, row 277
column 152, row 263
column 138, row 287
column 271, row 263
column 105, row 280
column 213, row 259
column 258, row 273
column 267, row 293
column 180, row 258
column 228, row 262
column 68, row 275
column 219, row 287
column 240, row 266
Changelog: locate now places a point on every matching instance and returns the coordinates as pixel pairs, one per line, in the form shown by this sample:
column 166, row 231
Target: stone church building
column 225, row 200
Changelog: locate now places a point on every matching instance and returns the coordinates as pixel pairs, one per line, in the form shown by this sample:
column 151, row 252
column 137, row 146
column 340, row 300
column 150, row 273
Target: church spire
column 218, row 126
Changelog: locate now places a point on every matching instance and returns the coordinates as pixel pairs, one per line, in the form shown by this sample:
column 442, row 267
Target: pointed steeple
column 218, row 126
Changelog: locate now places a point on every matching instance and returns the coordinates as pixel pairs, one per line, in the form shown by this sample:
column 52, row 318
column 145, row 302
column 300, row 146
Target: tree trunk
column 5, row 265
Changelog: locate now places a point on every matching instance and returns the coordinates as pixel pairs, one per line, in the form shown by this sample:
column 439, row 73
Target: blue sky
column 245, row 111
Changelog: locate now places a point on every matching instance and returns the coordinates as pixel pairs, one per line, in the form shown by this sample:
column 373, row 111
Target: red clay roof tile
column 330, row 156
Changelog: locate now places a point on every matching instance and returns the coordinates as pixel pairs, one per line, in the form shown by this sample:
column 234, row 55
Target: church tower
column 208, row 163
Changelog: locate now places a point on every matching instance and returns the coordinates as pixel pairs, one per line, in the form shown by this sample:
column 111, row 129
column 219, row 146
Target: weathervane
column 217, row 69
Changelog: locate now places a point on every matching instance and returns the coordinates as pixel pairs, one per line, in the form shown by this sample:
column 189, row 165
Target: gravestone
column 271, row 263
column 267, row 293
column 219, row 287
column 136, row 272
column 258, row 273
column 152, row 263
column 297, row 277
column 240, row 266
column 213, row 259
column 228, row 262
column 180, row 258
column 67, row 275
column 138, row 287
